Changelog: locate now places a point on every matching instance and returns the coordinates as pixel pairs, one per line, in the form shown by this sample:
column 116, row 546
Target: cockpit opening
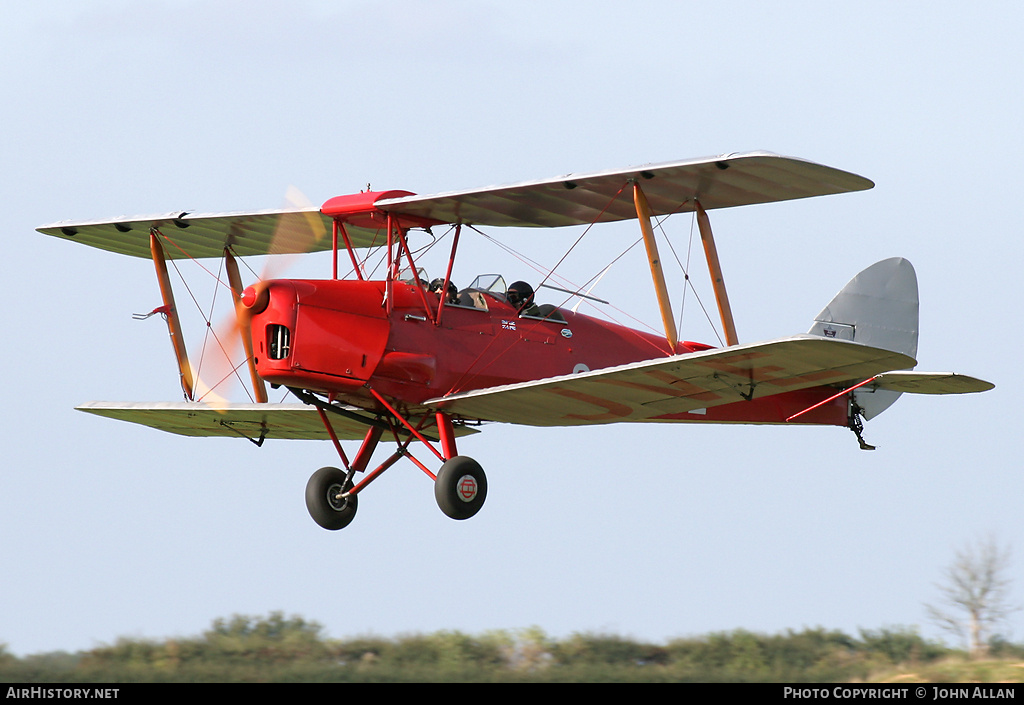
column 519, row 295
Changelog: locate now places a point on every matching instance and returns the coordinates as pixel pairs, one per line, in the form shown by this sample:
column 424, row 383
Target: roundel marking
column 467, row 488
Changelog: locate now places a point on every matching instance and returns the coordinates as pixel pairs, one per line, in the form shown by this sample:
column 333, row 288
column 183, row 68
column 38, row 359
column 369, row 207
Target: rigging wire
column 208, row 317
column 550, row 273
column 567, row 282
column 586, row 230
column 210, row 330
column 687, row 283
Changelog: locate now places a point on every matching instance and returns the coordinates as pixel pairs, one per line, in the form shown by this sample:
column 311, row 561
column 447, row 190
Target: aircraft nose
column 256, row 298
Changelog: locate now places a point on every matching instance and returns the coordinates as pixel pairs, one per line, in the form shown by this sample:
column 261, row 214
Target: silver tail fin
column 878, row 307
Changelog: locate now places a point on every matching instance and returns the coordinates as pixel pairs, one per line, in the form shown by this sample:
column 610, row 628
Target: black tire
column 461, row 487
column 321, row 499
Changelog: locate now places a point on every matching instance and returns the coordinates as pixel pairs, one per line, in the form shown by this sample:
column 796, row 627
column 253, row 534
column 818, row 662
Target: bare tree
column 975, row 594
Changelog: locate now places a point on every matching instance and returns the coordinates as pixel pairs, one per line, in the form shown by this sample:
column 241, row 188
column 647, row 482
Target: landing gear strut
column 460, row 486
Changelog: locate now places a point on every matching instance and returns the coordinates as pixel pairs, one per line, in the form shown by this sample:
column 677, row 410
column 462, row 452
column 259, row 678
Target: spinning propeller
column 303, row 224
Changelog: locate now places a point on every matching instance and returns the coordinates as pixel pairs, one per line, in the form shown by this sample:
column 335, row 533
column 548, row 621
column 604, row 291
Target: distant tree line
column 292, row 649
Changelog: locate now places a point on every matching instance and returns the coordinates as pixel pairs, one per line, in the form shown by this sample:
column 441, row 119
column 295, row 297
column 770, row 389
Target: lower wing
column 642, row 391
column 253, row 421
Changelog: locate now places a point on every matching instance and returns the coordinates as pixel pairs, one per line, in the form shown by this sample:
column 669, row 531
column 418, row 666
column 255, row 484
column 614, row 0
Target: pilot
column 453, row 291
column 520, row 295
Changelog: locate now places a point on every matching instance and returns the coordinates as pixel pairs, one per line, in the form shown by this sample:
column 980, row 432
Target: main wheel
column 322, row 501
column 461, row 487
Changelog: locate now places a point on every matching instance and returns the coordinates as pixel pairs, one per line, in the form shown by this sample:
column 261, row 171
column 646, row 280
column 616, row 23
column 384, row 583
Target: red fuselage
column 341, row 337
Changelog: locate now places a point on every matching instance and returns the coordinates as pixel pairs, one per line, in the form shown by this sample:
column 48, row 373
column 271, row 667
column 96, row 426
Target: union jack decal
column 508, row 325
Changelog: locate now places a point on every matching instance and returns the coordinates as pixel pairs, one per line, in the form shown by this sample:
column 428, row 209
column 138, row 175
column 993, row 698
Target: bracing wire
column 688, row 284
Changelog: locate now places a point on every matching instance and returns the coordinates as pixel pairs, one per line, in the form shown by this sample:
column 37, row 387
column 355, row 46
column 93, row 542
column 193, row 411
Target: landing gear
column 323, row 503
column 461, row 487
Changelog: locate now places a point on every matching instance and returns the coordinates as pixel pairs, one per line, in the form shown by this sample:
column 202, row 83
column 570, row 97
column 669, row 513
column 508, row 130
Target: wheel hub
column 337, row 503
column 467, row 488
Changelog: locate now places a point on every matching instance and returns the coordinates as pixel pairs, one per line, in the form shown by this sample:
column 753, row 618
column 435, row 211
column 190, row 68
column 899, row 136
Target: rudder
column 878, row 307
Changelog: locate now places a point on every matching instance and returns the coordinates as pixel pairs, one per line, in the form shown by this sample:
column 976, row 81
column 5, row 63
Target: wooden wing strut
column 643, row 214
column 173, row 324
column 717, row 280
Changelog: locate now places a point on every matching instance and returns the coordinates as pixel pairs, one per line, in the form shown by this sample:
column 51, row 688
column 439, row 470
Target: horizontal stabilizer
column 930, row 383
column 253, row 421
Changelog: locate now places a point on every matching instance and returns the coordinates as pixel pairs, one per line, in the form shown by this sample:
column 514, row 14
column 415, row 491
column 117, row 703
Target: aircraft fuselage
column 341, row 337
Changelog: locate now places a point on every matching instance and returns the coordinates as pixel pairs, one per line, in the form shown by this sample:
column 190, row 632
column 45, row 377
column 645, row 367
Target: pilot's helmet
column 437, row 286
column 520, row 295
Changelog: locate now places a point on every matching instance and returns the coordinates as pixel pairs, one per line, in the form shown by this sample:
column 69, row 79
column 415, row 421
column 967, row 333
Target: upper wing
column 581, row 199
column 291, row 421
column 574, row 199
column 198, row 235
column 644, row 390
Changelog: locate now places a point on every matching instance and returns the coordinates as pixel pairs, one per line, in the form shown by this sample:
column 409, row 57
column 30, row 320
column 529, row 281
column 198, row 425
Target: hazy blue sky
column 110, row 529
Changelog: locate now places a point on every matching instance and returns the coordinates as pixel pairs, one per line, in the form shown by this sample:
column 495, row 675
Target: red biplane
column 402, row 359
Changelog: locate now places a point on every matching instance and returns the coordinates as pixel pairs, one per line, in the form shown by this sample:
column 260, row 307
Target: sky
column 651, row 532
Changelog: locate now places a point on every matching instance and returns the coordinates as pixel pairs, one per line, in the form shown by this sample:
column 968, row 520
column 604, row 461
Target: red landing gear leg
column 460, row 486
column 447, row 433
column 331, row 498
